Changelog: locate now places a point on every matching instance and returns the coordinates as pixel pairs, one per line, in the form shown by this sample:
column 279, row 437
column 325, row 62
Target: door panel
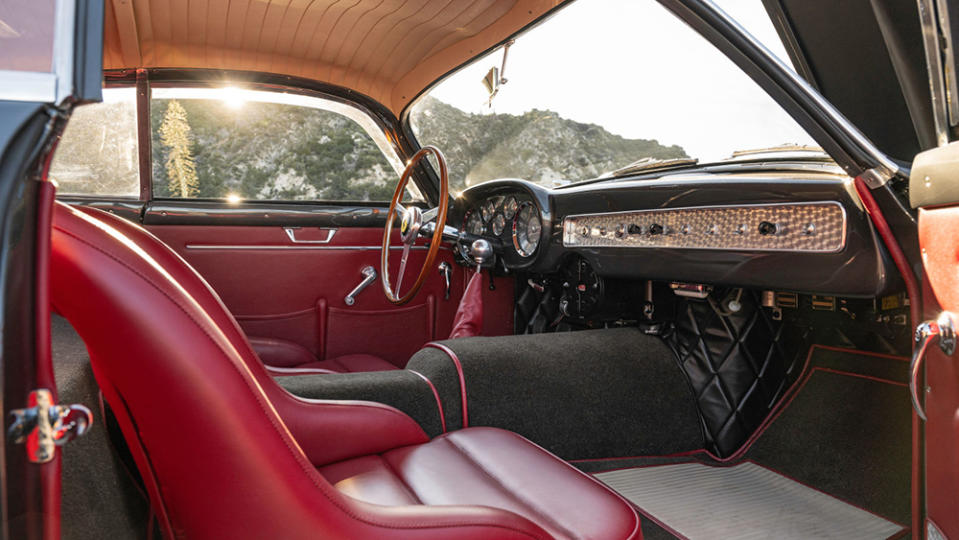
column 279, row 289
column 939, row 241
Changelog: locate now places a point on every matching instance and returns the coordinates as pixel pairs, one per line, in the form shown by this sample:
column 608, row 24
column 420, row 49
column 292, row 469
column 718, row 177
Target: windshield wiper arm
column 652, row 164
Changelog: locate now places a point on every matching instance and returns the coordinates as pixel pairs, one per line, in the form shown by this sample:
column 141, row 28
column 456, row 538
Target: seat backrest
column 209, row 429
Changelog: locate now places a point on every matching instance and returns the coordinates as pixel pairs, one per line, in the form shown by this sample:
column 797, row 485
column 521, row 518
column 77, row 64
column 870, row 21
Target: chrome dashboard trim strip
column 611, row 239
column 273, row 247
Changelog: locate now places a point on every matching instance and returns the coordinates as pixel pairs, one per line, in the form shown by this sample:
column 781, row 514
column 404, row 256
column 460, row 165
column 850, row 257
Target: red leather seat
column 225, row 452
column 285, row 357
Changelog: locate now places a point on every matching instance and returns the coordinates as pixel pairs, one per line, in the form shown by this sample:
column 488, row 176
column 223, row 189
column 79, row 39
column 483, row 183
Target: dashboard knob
column 656, row 228
column 768, row 228
column 634, row 229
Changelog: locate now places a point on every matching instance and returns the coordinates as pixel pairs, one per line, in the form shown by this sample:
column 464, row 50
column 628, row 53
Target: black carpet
column 847, row 435
column 587, row 394
column 99, row 499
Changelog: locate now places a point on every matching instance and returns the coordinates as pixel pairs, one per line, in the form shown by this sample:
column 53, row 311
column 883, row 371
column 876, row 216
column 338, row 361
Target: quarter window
column 98, row 154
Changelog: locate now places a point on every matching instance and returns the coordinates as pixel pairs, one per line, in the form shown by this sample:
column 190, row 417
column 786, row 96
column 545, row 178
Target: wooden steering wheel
column 412, row 219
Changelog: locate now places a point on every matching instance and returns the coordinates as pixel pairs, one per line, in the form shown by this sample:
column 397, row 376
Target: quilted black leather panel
column 739, row 364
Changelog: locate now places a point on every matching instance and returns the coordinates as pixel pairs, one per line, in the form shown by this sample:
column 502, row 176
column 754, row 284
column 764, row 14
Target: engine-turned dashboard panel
column 818, row 227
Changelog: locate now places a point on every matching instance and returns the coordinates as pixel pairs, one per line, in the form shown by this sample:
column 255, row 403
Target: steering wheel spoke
column 411, row 221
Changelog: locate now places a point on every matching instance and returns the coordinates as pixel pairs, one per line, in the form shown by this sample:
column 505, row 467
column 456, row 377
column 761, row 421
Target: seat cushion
column 351, row 363
column 282, row 356
column 490, row 467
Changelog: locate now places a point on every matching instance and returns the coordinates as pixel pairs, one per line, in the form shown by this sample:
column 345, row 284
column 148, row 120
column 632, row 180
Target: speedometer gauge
column 526, row 230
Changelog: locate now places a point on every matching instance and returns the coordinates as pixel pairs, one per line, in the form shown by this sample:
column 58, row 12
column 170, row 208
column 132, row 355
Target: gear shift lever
column 481, row 251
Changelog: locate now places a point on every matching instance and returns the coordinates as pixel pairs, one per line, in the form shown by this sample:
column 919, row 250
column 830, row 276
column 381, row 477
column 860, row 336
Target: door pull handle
column 942, row 330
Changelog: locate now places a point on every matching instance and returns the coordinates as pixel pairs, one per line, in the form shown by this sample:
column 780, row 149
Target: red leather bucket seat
column 226, row 453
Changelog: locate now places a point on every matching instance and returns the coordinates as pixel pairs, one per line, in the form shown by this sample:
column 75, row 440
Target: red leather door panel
column 278, row 289
column 939, row 241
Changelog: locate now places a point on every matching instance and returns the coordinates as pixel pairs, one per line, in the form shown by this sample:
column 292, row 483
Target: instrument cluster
column 513, row 219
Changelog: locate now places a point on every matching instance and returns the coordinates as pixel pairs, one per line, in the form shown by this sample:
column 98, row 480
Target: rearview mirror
column 491, row 81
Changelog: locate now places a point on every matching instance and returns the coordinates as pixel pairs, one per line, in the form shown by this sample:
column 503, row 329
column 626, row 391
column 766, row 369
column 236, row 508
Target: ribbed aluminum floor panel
column 746, row 501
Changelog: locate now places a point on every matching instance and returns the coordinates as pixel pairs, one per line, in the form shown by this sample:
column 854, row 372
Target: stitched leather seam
column 406, row 487
column 298, row 456
column 535, row 509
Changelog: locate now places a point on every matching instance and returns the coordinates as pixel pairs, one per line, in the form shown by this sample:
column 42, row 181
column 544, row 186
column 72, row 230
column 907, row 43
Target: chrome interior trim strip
column 603, row 230
column 297, row 247
column 949, row 58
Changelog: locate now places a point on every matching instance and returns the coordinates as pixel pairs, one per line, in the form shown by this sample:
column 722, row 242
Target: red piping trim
column 459, row 372
column 859, row 375
column 864, row 353
column 619, row 458
column 912, row 289
column 439, row 404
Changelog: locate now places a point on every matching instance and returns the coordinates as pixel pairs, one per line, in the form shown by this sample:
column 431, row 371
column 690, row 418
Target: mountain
column 539, row 145
column 274, row 151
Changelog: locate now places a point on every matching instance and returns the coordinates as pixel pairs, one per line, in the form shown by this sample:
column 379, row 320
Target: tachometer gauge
column 474, row 223
column 526, row 230
column 499, row 224
column 510, row 207
column 488, row 210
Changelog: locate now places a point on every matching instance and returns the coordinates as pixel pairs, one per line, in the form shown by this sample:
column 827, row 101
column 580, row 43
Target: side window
column 97, row 154
column 234, row 144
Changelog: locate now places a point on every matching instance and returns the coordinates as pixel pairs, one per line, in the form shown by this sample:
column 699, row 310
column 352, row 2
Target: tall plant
column 175, row 136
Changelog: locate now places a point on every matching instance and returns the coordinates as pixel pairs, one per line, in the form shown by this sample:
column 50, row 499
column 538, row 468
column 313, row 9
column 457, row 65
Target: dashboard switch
column 635, row 229
column 768, row 228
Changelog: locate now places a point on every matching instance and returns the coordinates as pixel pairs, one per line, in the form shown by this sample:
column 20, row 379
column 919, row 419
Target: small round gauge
column 510, row 207
column 474, row 223
column 499, row 224
column 526, row 230
column 488, row 208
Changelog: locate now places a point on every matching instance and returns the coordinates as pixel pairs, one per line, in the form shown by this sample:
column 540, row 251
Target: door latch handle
column 45, row 425
column 447, row 272
column 942, row 330
column 369, row 276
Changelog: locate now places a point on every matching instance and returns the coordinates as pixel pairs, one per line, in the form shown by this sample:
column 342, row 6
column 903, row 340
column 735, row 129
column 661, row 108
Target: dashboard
column 800, row 231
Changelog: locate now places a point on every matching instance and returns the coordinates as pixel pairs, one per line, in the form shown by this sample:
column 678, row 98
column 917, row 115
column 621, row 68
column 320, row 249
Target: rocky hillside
column 271, row 151
column 539, row 145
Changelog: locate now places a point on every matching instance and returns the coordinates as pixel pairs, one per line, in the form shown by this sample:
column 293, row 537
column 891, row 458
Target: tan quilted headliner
column 387, row 49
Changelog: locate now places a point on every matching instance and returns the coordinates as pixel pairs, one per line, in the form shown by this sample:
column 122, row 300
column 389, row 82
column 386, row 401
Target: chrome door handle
column 447, row 272
column 942, row 329
column 369, row 276
column 291, row 233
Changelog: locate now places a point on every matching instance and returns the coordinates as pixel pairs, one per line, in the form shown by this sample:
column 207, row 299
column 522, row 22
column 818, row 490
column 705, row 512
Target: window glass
column 600, row 85
column 241, row 144
column 97, row 154
column 26, row 35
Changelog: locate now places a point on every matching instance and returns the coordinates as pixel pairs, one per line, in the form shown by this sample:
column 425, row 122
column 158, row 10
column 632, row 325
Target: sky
column 635, row 69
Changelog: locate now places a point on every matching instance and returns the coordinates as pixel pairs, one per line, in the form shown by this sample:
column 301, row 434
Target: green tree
column 175, row 136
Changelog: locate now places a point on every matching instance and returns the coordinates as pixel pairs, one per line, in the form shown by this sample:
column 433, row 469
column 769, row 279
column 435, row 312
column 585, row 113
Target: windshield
column 599, row 86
